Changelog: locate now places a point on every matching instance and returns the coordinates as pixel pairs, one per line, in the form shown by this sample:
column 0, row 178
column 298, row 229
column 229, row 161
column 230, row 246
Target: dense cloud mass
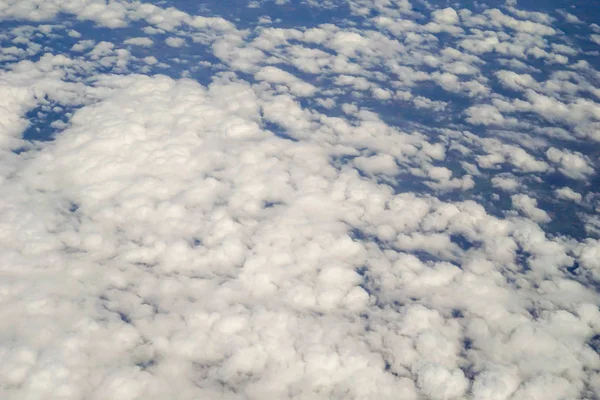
column 299, row 200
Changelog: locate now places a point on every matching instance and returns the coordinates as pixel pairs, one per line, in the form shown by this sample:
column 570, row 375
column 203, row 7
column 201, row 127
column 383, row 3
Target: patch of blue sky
column 46, row 122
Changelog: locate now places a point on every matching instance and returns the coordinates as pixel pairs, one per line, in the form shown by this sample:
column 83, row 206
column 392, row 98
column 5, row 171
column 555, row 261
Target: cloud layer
column 397, row 203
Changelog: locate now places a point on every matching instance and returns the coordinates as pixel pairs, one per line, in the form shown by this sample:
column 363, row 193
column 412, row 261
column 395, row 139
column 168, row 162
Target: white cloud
column 382, row 94
column 233, row 241
column 485, row 114
column 566, row 193
column 536, row 16
column 517, row 81
column 278, row 76
column 174, row 41
column 151, row 60
column 424, row 102
column 505, row 183
column 438, row 383
column 528, row 206
column 500, row 153
column 356, row 82
column 570, row 163
column 570, row 17
column 102, row 188
column 327, row 103
column 348, row 43
column 446, row 16
column 547, row 387
column 139, row 41
column 178, row 167
column 498, row 18
column 111, row 14
column 101, row 49
column 439, row 173
column 568, row 50
column 381, row 164
column 83, row 45
column 495, row 384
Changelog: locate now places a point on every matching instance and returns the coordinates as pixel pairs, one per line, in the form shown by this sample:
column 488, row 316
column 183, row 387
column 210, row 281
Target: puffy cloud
column 112, row 14
column 496, row 383
column 107, row 188
column 175, row 41
column 83, row 45
column 528, row 206
column 446, row 16
column 589, row 253
column 290, row 230
column 570, row 17
column 567, row 193
column 498, row 18
column 139, row 41
column 381, row 164
column 505, row 183
column 499, row 153
column 438, row 383
column 570, row 163
column 295, row 85
column 444, row 20
column 517, row 81
column 485, row 114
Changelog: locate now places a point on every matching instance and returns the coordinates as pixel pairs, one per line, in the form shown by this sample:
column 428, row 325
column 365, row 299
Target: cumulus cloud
column 505, row 183
column 446, row 16
column 174, row 41
column 499, row 153
column 363, row 208
column 528, row 206
column 570, row 163
column 498, row 18
column 278, row 76
column 139, row 41
column 484, row 115
column 567, row 193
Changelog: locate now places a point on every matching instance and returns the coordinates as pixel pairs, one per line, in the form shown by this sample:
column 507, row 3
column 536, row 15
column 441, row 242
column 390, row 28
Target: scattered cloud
column 369, row 205
column 139, row 41
column 528, row 206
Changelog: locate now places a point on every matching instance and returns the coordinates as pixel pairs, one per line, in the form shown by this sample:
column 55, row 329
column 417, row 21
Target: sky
column 299, row 199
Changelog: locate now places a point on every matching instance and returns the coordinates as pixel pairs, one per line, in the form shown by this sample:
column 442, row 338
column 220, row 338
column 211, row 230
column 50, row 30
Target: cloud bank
column 398, row 203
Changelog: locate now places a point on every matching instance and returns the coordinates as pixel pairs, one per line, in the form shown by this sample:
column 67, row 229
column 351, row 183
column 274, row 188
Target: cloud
column 446, row 16
column 573, row 19
column 484, row 115
column 174, row 41
column 362, row 208
column 278, row 76
column 383, row 164
column 139, row 41
column 507, row 184
column 567, row 193
column 570, row 163
column 517, row 81
column 528, row 206
column 500, row 153
column 498, row 18
column 83, row 45
column 101, row 186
